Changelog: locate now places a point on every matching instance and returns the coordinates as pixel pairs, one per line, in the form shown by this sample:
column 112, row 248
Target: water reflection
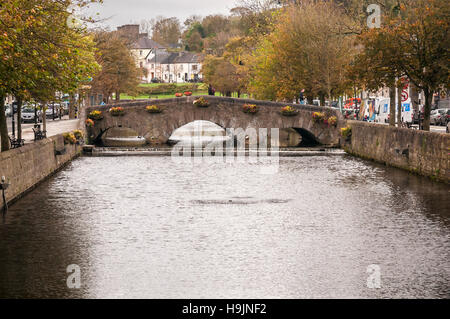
column 148, row 227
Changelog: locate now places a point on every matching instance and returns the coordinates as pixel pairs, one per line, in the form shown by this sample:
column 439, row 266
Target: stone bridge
column 223, row 111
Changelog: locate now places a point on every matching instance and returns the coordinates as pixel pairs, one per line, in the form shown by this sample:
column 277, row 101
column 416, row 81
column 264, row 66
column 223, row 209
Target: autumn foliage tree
column 42, row 53
column 119, row 72
column 307, row 49
column 413, row 43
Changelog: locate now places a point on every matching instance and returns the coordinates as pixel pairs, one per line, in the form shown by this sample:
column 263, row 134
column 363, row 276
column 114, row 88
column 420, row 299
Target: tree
column 222, row 75
column 308, row 49
column 119, row 72
column 415, row 43
column 167, row 31
column 41, row 51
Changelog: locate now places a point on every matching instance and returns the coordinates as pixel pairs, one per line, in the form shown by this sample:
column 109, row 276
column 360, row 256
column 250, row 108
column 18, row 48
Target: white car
column 28, row 115
column 435, row 116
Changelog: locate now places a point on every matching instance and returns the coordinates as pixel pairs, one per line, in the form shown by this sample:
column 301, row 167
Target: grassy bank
column 165, row 91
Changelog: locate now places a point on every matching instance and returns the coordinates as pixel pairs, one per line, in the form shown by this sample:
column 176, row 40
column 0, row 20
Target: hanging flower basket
column 332, row 121
column 179, row 94
column 78, row 134
column 250, row 108
column 346, row 132
column 201, row 102
column 187, row 93
column 117, row 111
column 95, row 115
column 153, row 109
column 90, row 123
column 288, row 111
column 319, row 117
column 69, row 138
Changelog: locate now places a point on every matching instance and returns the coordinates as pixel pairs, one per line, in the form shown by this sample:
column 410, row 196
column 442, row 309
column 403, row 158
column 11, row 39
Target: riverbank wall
column 26, row 167
column 420, row 152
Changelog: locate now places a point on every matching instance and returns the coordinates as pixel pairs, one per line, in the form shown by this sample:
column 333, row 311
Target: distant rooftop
column 146, row 43
column 164, row 57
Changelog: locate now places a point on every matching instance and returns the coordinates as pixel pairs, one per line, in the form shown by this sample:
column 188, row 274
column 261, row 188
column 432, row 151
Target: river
column 148, row 227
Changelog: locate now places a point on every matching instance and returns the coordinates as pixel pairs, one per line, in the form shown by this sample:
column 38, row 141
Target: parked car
column 448, row 127
column 436, row 116
column 49, row 112
column 445, row 115
column 28, row 115
column 446, row 118
column 334, row 104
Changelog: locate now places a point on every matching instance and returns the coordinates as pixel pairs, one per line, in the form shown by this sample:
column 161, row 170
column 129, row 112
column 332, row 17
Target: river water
column 148, row 227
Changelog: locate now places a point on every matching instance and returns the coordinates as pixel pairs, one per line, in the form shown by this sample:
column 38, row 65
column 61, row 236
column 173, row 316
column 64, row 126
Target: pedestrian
column 302, row 97
column 211, row 90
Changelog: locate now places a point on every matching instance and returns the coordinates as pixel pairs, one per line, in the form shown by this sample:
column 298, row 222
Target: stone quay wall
column 420, row 152
column 29, row 165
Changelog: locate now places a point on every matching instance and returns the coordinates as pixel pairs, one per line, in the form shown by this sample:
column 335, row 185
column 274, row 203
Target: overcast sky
column 134, row 11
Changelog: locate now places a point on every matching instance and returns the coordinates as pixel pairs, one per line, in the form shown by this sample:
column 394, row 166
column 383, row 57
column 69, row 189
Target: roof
column 145, row 43
column 165, row 57
column 188, row 57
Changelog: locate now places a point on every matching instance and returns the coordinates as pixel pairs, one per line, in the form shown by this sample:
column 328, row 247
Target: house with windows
column 161, row 64
column 173, row 67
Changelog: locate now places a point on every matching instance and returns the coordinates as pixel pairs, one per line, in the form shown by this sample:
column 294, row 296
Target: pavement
column 53, row 128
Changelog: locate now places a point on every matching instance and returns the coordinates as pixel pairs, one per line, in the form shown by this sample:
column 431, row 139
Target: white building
column 168, row 67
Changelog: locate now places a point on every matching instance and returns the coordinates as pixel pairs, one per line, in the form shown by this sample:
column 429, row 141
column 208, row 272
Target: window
column 194, row 67
column 140, row 52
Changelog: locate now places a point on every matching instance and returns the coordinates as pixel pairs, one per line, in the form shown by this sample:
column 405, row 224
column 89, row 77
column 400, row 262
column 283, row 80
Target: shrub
column 250, row 108
column 153, row 109
column 96, row 115
column 168, row 88
column 90, row 123
column 346, row 131
column 201, row 102
column 289, row 111
column 117, row 111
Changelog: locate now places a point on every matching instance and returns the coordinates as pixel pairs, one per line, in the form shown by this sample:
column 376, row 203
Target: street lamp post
column 13, row 123
column 3, row 186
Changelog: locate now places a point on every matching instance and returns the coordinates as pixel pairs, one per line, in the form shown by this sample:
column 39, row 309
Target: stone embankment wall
column 25, row 167
column 424, row 153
